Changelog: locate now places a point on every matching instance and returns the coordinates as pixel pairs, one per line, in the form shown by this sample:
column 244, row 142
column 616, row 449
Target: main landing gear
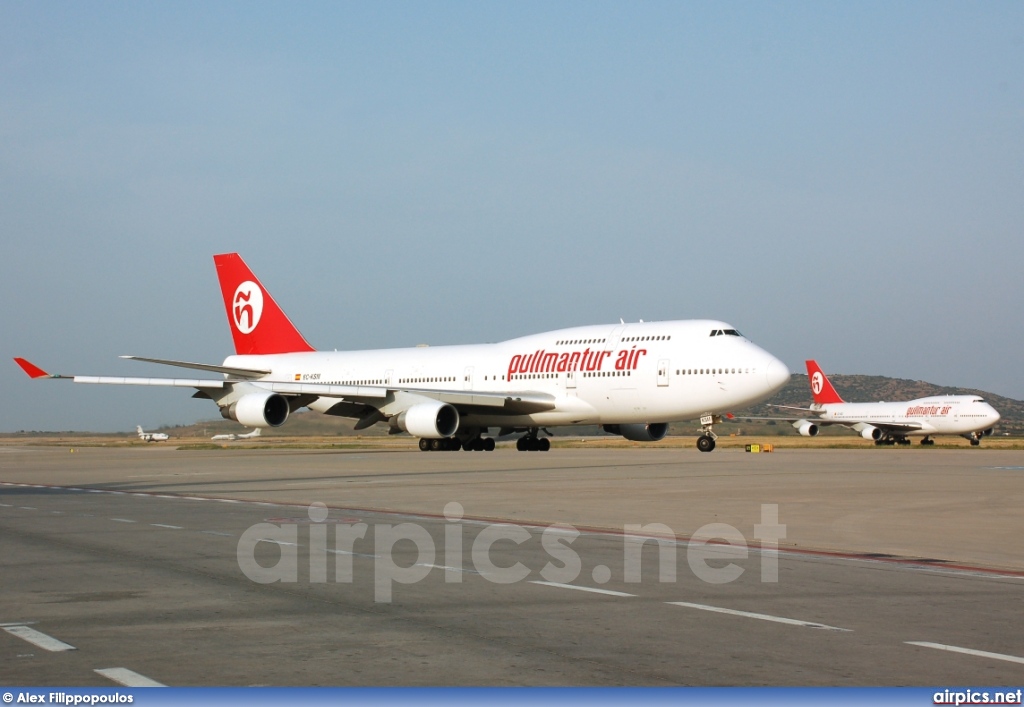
column 530, row 442
column 454, row 444
column 975, row 438
column 888, row 440
column 928, row 441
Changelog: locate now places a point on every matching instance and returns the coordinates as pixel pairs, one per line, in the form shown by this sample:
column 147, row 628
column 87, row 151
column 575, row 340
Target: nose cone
column 776, row 374
column 993, row 416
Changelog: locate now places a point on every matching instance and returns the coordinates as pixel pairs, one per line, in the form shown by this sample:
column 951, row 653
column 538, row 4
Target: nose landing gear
column 706, row 441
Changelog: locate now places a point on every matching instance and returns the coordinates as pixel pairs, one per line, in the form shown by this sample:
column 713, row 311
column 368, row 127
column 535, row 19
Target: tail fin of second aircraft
column 258, row 324
column 821, row 388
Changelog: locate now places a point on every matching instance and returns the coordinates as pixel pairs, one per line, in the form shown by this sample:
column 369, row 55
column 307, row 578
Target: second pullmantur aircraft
column 633, row 379
column 893, row 423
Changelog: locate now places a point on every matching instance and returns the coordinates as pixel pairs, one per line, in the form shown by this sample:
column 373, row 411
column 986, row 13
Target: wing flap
column 170, row 382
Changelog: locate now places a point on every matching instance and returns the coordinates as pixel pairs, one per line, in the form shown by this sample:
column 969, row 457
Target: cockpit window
column 732, row 332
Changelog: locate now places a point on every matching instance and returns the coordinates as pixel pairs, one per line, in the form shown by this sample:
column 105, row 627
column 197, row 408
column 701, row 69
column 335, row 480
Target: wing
column 359, row 396
column 36, row 372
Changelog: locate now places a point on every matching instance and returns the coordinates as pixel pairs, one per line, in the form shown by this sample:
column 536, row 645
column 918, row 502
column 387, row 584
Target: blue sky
column 842, row 181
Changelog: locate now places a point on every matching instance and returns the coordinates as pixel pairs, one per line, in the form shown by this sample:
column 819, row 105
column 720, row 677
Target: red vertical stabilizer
column 821, row 388
column 258, row 325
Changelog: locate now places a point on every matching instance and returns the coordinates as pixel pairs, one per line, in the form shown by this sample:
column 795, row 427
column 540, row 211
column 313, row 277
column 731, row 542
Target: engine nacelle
column 806, row 428
column 869, row 432
column 433, row 420
column 258, row 410
column 649, row 432
column 988, row 432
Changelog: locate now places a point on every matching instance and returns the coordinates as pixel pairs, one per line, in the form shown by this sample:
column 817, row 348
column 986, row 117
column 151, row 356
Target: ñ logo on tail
column 247, row 306
column 817, row 382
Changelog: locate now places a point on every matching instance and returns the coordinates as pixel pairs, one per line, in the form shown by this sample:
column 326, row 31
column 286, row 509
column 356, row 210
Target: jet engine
column 258, row 410
column 649, row 432
column 433, row 420
column 806, row 428
column 869, row 432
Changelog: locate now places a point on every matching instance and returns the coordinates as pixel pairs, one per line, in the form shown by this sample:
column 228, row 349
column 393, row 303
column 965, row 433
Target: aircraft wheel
column 436, row 445
column 705, row 443
column 522, row 444
column 543, row 444
column 975, row 442
column 424, row 445
column 489, row 444
column 454, row 444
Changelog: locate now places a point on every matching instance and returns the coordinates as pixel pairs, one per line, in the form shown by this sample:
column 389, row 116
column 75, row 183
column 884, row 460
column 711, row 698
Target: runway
column 896, row 567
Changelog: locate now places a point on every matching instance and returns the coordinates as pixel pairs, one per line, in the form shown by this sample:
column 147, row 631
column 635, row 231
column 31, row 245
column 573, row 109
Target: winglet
column 821, row 388
column 31, row 369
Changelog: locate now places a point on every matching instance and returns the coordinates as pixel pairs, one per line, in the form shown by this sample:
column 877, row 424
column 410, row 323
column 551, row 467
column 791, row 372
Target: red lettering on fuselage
column 586, row 360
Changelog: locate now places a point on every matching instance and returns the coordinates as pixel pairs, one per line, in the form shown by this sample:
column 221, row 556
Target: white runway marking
column 123, row 520
column 128, row 678
column 5, row 505
column 751, row 615
column 447, row 568
column 609, row 592
column 41, row 640
column 170, row 527
column 28, row 508
column 214, row 532
column 277, row 542
column 353, row 554
column 966, row 651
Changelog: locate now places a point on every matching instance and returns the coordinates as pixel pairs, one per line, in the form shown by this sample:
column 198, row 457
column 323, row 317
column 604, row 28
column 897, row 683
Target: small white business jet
column 633, row 379
column 231, row 437
column 151, row 436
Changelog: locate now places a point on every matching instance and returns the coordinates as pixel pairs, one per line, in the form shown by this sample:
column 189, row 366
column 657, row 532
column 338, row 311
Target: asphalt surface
column 897, row 567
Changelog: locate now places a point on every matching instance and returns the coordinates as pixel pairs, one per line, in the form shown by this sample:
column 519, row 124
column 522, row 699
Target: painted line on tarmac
column 578, row 588
column 128, row 678
column 966, row 651
column 39, row 639
column 752, row 615
column 948, row 568
column 169, row 527
column 123, row 520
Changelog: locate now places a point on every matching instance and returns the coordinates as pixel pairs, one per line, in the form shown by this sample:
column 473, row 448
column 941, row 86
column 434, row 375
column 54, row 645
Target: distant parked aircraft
column 151, row 436
column 230, row 437
column 892, row 423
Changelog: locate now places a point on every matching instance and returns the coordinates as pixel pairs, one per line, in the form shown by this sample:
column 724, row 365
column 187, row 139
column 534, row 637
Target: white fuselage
column 610, row 374
column 935, row 415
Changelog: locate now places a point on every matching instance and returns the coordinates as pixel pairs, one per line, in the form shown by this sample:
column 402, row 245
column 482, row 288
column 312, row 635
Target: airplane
column 151, row 436
column 890, row 423
column 232, row 436
column 633, row 379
